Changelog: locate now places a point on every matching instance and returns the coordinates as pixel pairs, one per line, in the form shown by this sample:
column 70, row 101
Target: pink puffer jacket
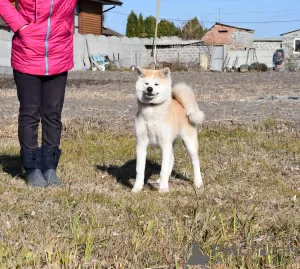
column 45, row 46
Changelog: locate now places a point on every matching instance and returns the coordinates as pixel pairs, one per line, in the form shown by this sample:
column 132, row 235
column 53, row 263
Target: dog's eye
column 156, row 84
column 146, row 83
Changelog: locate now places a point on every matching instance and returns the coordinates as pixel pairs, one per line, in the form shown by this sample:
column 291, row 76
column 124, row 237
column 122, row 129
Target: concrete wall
column 185, row 55
column 5, row 51
column 134, row 51
column 263, row 56
column 267, row 45
column 130, row 50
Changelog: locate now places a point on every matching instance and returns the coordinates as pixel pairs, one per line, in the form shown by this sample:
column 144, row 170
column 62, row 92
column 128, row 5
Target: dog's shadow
column 127, row 171
column 11, row 165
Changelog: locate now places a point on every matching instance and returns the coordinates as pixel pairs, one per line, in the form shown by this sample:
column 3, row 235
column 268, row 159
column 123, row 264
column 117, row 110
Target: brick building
column 234, row 37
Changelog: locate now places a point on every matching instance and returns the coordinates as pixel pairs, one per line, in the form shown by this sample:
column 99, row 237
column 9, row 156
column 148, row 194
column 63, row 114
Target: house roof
column 110, row 32
column 290, row 32
column 226, row 25
column 109, row 2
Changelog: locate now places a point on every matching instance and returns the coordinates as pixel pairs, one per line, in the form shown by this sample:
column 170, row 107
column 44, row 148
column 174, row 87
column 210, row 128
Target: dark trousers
column 41, row 99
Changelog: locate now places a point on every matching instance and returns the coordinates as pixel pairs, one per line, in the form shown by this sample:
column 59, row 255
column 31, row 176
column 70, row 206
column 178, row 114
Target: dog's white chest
column 154, row 132
column 153, row 122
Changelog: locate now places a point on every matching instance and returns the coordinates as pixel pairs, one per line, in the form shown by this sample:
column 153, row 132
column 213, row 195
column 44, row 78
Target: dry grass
column 250, row 200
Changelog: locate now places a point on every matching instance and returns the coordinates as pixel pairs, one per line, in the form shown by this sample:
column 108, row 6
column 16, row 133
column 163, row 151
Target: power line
column 251, row 12
column 233, row 13
column 228, row 22
column 282, row 21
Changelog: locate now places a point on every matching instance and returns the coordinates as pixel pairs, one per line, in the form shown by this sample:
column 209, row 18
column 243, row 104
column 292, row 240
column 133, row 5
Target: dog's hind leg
column 190, row 139
column 141, row 154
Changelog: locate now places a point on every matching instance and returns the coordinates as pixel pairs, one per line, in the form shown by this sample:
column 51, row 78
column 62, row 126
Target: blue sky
column 233, row 12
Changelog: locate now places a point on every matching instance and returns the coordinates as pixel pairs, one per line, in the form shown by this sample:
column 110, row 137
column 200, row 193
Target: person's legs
column 29, row 95
column 53, row 93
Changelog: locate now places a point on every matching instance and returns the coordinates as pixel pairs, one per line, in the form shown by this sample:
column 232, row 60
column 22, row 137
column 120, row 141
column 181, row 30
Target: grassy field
column 250, row 201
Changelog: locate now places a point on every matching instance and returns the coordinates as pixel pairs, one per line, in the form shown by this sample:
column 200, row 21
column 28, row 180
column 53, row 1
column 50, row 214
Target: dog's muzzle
column 150, row 95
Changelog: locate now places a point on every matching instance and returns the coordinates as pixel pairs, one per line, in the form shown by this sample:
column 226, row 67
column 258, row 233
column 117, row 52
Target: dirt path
column 109, row 98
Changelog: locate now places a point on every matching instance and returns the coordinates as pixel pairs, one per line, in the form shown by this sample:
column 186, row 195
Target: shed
column 291, row 42
column 236, row 38
column 89, row 15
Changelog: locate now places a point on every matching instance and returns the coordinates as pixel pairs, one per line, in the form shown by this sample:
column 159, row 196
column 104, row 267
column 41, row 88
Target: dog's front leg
column 141, row 154
column 167, row 151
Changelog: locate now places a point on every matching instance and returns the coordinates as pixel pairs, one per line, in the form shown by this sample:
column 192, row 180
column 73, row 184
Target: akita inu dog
column 164, row 113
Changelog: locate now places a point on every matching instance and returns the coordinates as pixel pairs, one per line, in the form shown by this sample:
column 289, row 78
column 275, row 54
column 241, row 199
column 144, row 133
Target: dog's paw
column 198, row 185
column 136, row 189
column 164, row 190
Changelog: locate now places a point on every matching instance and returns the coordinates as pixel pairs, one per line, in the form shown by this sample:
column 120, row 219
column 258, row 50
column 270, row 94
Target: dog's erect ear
column 139, row 70
column 165, row 72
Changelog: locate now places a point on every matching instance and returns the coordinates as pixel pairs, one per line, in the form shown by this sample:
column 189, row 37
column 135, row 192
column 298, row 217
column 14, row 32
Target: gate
column 217, row 58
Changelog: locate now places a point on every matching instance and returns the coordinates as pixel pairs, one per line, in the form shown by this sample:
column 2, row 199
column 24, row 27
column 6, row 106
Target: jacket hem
column 38, row 72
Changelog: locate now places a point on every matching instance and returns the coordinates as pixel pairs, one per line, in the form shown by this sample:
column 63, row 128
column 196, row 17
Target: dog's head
column 153, row 86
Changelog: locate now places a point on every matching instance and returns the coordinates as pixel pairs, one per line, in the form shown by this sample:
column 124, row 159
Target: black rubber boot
column 50, row 161
column 32, row 163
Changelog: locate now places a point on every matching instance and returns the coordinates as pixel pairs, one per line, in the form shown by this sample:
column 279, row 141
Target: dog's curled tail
column 186, row 97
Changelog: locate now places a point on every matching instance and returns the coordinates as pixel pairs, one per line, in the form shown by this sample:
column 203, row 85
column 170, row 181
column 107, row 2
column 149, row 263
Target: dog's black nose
column 150, row 89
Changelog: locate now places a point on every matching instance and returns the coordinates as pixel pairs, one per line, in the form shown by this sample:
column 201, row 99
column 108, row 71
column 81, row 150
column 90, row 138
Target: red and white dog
column 164, row 113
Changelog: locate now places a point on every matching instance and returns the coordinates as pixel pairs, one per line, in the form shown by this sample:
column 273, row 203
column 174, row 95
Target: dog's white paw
column 136, row 189
column 164, row 190
column 198, row 185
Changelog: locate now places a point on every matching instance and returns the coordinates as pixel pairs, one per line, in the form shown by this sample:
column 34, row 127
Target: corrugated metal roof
column 290, row 32
column 218, row 23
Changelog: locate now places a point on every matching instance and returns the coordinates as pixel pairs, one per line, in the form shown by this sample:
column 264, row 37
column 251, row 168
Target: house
column 291, row 43
column 235, row 38
column 88, row 16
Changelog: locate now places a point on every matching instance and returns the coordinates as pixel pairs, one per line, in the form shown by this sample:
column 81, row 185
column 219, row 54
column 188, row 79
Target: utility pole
column 155, row 34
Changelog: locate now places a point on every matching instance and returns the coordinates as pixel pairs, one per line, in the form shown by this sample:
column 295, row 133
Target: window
column 297, row 45
column 223, row 31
